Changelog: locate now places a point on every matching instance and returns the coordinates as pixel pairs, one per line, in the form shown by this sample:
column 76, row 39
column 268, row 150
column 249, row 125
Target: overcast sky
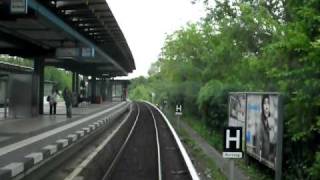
column 145, row 24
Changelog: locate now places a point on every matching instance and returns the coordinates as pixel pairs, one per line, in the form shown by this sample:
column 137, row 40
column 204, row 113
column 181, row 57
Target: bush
column 213, row 102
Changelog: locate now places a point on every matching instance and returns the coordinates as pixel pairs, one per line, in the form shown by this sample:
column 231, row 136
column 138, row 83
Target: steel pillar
column 77, row 83
column 73, row 87
column 125, row 91
column 109, row 90
column 93, row 89
column 39, row 84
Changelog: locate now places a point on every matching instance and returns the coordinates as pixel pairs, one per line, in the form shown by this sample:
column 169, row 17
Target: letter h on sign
column 232, row 144
column 237, row 139
column 179, row 110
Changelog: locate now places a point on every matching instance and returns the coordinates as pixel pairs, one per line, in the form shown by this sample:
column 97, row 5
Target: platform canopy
column 78, row 35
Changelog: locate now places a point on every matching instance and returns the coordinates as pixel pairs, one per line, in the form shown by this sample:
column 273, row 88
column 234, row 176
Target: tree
column 249, row 45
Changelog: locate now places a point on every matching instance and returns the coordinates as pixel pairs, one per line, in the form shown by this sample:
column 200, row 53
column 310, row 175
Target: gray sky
column 145, row 24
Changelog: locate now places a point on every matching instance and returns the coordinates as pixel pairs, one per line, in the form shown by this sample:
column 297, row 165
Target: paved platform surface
column 29, row 135
column 12, row 130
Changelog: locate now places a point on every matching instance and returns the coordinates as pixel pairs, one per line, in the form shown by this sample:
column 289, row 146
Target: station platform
column 20, row 137
column 12, row 130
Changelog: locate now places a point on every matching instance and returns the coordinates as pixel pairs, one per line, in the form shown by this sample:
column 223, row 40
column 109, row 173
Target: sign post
column 178, row 114
column 232, row 147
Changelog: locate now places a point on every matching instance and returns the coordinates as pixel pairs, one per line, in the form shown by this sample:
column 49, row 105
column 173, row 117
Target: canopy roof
column 78, row 35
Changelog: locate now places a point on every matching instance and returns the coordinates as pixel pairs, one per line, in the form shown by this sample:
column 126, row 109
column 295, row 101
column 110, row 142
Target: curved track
column 149, row 151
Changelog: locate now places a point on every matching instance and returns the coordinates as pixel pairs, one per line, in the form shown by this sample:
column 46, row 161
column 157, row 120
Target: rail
column 183, row 151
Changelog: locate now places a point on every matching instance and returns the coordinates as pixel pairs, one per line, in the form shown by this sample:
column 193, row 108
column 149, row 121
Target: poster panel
column 237, row 109
column 262, row 127
column 237, row 112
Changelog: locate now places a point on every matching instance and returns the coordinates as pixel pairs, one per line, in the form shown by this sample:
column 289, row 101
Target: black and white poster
column 261, row 127
column 237, row 109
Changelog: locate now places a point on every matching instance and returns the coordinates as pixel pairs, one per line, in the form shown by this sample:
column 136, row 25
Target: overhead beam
column 95, row 29
column 93, row 70
column 79, row 6
column 89, row 25
column 73, row 7
column 89, row 12
column 79, row 64
column 81, row 20
column 83, row 1
column 79, row 15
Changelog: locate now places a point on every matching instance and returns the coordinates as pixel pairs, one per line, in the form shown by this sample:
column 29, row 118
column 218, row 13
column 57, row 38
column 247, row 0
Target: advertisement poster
column 261, row 127
column 237, row 109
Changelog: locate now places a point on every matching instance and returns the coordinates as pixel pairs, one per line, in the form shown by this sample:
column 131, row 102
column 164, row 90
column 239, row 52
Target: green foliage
column 210, row 97
column 248, row 45
column 140, row 93
column 315, row 169
column 61, row 77
column 16, row 60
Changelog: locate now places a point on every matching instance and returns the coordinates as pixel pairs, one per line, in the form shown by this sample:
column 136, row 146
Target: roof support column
column 75, row 88
column 93, row 89
column 38, row 87
column 109, row 90
column 77, row 83
column 114, row 84
column 124, row 91
column 103, row 89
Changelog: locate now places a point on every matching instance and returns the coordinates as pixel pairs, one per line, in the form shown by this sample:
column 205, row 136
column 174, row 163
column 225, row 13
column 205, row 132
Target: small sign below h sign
column 232, row 143
column 178, row 109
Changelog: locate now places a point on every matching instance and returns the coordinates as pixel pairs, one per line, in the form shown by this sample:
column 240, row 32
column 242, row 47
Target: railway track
column 139, row 144
column 150, row 151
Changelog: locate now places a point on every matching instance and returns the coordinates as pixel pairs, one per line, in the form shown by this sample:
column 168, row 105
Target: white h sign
column 179, row 110
column 232, row 142
column 236, row 139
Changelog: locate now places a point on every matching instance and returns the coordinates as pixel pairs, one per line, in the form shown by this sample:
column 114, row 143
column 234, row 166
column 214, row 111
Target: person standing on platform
column 67, row 96
column 53, row 101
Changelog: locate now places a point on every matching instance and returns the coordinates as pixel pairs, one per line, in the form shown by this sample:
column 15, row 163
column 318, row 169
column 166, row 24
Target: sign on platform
column 232, row 143
column 87, row 52
column 178, row 109
column 19, row 7
column 75, row 53
column 67, row 52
